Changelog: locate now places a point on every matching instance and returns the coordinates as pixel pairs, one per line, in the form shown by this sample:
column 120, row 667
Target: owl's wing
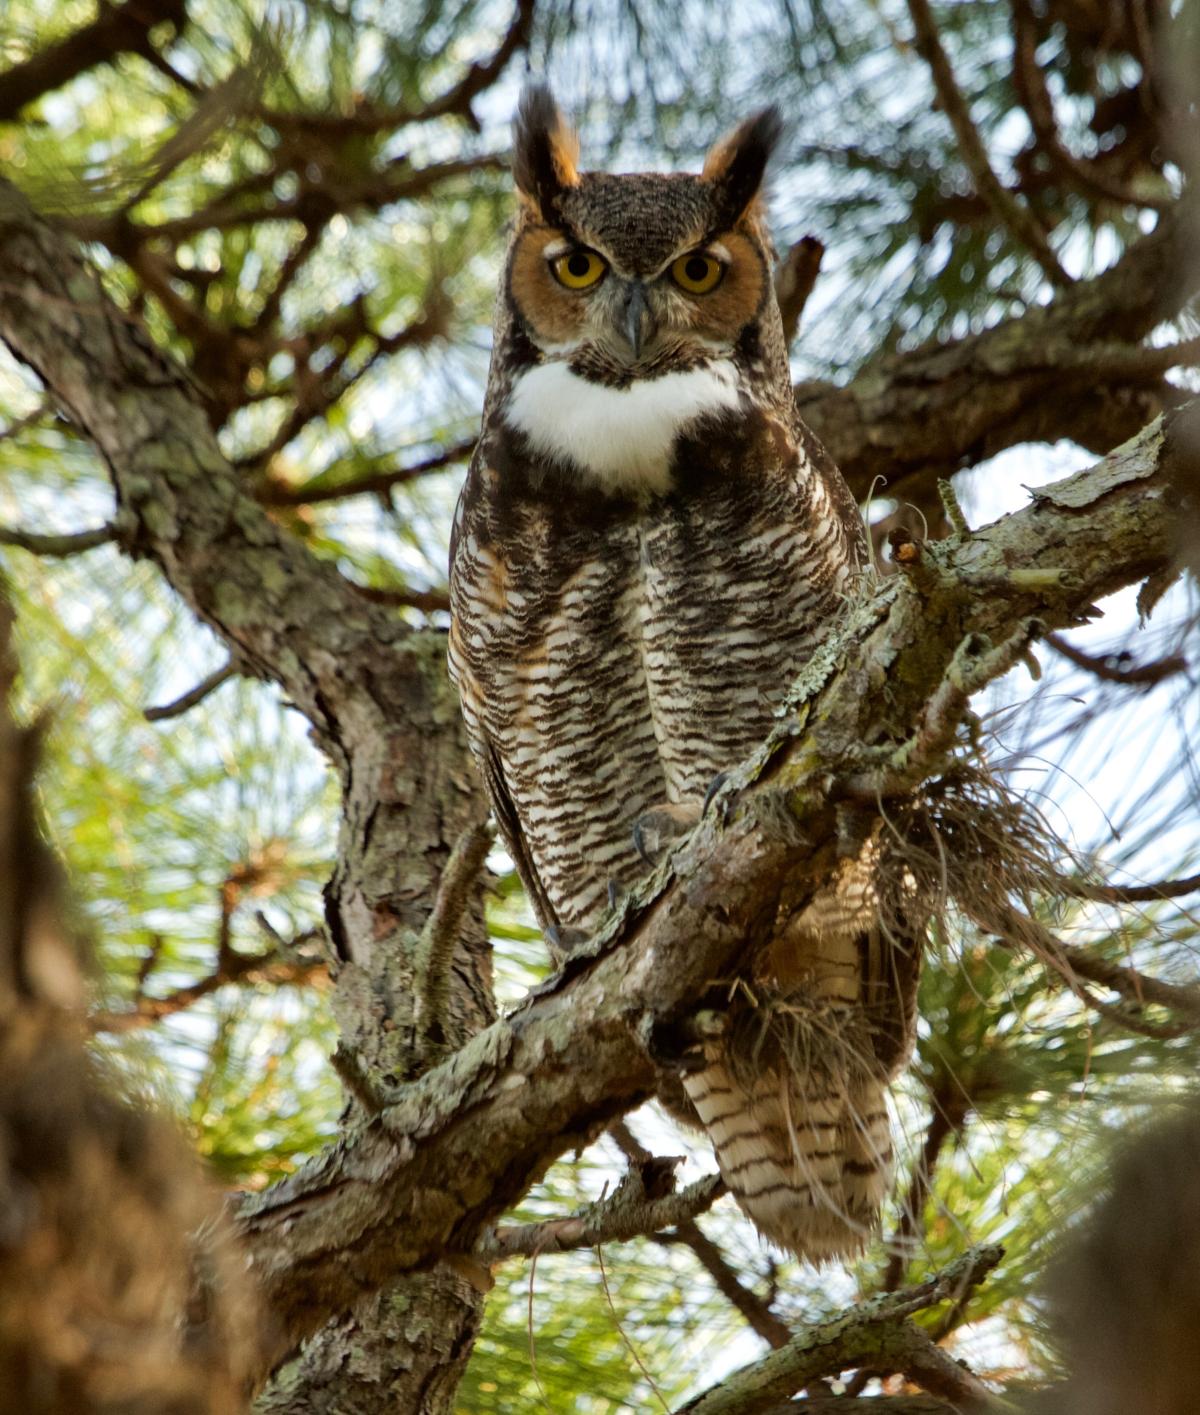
column 505, row 811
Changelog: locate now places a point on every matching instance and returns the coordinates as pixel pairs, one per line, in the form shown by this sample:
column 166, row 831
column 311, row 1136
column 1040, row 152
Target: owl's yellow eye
column 697, row 273
column 578, row 269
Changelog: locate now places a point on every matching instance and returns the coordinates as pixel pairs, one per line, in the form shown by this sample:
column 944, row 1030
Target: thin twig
column 629, row 1346
column 1017, row 217
column 186, row 701
column 276, row 493
column 439, row 938
column 1030, row 84
column 1112, row 668
column 757, row 1312
column 626, row 1214
column 976, row 663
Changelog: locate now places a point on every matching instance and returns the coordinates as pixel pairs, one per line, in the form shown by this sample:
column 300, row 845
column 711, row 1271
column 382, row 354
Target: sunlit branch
column 194, row 696
column 1072, row 963
column 1017, row 217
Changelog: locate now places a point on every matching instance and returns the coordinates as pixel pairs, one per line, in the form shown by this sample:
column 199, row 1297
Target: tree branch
column 273, row 968
column 1017, row 217
column 456, row 1147
column 320, row 490
column 1070, row 963
column 1030, row 85
column 627, row 1214
column 45, row 543
column 758, row 1314
column 117, row 29
column 923, row 414
column 1113, row 668
column 873, row 1333
column 194, row 696
column 794, row 282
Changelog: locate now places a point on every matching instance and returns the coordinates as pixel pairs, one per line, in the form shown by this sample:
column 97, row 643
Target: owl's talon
column 655, row 830
column 615, row 892
column 713, row 787
column 562, row 942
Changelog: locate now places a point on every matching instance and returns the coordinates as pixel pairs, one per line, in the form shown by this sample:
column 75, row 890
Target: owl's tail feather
column 807, row 1155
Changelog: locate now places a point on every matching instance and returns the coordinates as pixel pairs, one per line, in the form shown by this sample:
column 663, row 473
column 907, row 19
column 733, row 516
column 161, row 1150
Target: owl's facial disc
column 614, row 317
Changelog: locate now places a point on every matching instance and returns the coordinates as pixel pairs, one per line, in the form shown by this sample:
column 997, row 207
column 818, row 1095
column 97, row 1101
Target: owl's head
column 638, row 308
column 629, row 275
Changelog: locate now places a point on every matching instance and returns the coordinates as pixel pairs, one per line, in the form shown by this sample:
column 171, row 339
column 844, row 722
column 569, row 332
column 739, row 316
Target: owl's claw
column 713, row 787
column 655, row 829
column 562, row 942
column 615, row 892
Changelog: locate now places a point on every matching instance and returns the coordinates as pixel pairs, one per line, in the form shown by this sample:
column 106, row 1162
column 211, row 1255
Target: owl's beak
column 636, row 320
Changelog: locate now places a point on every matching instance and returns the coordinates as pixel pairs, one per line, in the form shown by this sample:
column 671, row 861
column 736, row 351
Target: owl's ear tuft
column 545, row 151
column 735, row 165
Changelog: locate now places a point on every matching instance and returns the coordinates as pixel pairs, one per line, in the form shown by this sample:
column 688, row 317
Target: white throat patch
column 623, row 436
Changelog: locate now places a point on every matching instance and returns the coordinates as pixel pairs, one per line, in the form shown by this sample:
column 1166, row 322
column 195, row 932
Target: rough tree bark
column 450, row 1125
column 374, row 691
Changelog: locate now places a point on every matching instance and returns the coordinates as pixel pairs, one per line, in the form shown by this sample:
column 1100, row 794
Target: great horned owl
column 648, row 548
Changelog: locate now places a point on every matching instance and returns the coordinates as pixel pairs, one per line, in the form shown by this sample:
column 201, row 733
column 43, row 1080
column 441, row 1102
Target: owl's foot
column 656, row 829
column 562, row 941
column 713, row 787
column 616, row 894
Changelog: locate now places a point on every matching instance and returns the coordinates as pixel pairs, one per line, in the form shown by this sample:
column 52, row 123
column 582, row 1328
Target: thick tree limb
column 375, row 692
column 916, row 416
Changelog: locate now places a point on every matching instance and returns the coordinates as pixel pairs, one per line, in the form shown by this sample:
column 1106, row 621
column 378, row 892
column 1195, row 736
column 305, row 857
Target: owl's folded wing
column 505, row 811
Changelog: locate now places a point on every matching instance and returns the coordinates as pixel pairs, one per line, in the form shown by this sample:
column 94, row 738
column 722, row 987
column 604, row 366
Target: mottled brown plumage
column 648, row 548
